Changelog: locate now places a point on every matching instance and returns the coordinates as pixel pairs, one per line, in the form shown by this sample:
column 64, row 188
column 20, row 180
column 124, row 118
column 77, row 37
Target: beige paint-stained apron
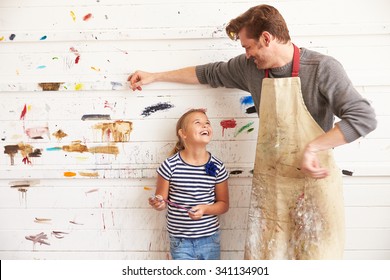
column 292, row 216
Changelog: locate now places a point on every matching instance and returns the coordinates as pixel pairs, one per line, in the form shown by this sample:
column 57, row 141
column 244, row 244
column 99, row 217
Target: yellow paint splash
column 95, row 68
column 148, row 188
column 1, row 38
column 72, row 14
column 78, row 87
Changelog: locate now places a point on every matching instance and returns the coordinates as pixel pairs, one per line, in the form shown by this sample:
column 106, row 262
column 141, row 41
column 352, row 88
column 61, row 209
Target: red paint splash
column 228, row 124
column 24, row 111
column 87, row 17
column 77, row 59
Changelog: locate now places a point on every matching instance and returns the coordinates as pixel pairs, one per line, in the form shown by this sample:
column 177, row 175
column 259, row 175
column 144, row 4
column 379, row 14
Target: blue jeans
column 202, row 248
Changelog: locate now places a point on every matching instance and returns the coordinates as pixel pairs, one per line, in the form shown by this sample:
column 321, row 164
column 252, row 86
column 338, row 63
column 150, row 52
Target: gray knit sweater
column 327, row 91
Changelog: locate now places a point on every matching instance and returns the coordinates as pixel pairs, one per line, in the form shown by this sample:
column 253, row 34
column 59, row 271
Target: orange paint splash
column 69, row 174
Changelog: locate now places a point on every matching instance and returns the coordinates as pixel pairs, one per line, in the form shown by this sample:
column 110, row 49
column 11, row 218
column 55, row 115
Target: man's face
column 254, row 49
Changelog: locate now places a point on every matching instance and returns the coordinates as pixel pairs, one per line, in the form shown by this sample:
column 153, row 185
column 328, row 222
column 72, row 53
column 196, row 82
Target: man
column 296, row 207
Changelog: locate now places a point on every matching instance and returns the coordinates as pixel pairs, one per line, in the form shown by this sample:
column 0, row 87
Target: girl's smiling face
column 197, row 129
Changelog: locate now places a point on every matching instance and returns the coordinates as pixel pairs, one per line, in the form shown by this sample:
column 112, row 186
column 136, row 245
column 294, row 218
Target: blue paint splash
column 54, row 149
column 246, row 100
column 116, row 85
column 43, row 38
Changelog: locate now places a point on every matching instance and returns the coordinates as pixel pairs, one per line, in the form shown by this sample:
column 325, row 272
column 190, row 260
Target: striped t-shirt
column 189, row 186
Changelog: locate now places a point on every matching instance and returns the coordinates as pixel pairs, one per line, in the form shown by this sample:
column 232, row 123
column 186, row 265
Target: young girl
column 193, row 185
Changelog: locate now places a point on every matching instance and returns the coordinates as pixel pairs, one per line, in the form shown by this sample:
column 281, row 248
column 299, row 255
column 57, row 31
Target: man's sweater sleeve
column 229, row 74
column 357, row 116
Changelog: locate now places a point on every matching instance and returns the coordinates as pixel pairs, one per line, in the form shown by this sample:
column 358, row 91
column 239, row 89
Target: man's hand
column 140, row 78
column 310, row 165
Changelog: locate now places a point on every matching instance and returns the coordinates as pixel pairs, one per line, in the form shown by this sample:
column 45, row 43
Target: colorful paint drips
column 118, row 131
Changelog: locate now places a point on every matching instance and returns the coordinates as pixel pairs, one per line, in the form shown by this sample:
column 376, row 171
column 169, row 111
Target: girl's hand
column 157, row 202
column 197, row 212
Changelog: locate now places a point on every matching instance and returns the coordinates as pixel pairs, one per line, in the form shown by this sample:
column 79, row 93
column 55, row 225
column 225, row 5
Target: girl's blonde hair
column 181, row 124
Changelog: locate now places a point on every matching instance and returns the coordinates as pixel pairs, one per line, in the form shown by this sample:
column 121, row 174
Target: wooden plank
column 102, row 195
column 57, row 106
column 372, row 217
column 367, row 239
column 106, row 241
column 95, row 219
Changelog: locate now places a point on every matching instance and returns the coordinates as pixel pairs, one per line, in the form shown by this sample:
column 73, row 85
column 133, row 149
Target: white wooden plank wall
column 76, row 159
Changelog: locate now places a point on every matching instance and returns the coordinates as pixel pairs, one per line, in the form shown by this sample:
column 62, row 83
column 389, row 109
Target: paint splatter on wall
column 227, row 124
column 155, row 108
column 118, row 131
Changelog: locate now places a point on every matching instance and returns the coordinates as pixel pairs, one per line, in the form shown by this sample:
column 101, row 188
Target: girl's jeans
column 203, row 248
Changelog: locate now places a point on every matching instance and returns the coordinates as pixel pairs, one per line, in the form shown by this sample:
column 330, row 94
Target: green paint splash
column 247, row 126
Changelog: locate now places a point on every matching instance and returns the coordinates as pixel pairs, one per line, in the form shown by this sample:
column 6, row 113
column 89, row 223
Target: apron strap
column 295, row 68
